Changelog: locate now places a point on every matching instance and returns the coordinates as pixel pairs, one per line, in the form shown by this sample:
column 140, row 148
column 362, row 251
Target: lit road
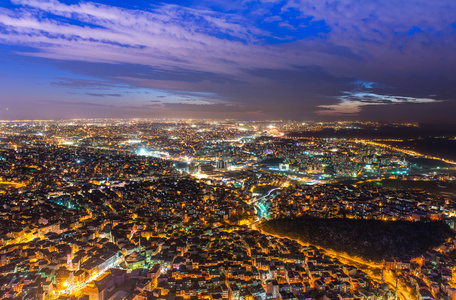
column 371, row 269
column 72, row 289
column 265, row 196
column 13, row 183
column 409, row 152
column 260, row 207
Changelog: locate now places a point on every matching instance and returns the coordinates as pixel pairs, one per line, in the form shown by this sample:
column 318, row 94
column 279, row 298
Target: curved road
column 372, row 270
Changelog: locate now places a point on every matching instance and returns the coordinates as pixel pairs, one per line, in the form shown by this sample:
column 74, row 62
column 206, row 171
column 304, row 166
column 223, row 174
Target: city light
column 159, row 211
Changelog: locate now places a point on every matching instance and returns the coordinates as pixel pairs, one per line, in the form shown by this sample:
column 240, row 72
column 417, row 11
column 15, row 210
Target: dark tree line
column 371, row 239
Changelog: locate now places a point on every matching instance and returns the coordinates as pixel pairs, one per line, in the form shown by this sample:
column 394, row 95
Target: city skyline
column 257, row 60
column 226, row 210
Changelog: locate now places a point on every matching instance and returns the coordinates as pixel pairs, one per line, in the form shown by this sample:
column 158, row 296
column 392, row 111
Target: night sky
column 295, row 59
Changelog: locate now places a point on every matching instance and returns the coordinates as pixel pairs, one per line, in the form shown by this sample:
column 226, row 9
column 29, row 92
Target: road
column 260, row 207
column 409, row 152
column 371, row 269
column 73, row 289
column 265, row 196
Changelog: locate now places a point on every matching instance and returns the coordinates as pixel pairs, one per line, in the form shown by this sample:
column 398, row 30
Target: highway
column 265, row 196
column 409, row 152
column 261, row 208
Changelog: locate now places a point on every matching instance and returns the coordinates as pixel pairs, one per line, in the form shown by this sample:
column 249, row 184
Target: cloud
column 212, row 107
column 103, row 95
column 75, row 103
column 381, row 17
column 360, row 84
column 154, row 105
column 84, row 83
column 168, row 37
column 351, row 104
column 272, row 19
column 290, row 56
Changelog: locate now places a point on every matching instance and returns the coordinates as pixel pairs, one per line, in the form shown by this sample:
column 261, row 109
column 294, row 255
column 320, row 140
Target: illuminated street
column 91, row 206
column 373, row 270
column 201, row 149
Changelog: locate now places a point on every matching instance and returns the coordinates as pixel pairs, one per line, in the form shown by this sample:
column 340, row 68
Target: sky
column 303, row 60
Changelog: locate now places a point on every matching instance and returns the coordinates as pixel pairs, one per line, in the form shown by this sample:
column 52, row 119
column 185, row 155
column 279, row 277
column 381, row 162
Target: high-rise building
column 222, row 165
column 192, row 168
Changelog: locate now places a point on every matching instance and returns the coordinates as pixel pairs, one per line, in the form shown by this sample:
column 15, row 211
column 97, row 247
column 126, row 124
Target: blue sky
column 265, row 59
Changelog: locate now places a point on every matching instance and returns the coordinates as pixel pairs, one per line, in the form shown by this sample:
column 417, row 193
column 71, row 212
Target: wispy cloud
column 85, row 83
column 103, row 95
column 168, row 37
column 176, row 38
column 293, row 52
column 76, row 103
column 381, row 17
column 352, row 103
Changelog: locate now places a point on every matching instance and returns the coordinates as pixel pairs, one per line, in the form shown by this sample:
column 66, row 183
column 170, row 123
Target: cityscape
column 195, row 209
column 227, row 150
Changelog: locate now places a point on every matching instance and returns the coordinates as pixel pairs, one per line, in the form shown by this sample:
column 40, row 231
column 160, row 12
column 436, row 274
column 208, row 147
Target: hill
column 370, row 239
